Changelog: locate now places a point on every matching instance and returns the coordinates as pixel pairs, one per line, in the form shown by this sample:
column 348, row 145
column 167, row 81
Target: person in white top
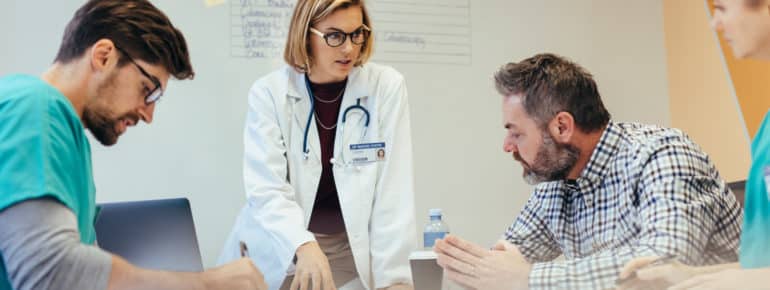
column 323, row 211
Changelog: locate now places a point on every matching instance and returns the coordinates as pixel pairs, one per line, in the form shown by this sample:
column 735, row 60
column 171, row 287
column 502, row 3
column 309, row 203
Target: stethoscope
column 357, row 106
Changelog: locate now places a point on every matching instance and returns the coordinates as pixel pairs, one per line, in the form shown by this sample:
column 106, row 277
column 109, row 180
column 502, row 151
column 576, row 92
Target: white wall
column 194, row 147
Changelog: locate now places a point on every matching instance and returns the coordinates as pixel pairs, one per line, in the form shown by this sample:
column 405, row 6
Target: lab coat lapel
column 302, row 110
column 350, row 131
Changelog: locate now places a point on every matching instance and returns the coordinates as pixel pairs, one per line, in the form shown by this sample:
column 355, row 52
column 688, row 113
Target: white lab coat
column 377, row 199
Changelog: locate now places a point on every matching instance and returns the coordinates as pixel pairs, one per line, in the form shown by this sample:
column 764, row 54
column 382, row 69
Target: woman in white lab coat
column 325, row 208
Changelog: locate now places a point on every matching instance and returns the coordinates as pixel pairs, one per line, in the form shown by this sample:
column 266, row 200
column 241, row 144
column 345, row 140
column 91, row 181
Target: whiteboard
column 413, row 31
column 194, row 146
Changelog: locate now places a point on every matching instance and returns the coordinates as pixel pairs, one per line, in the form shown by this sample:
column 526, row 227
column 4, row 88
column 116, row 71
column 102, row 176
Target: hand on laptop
column 238, row 275
column 312, row 269
column 475, row 267
column 398, row 287
column 732, row 278
column 648, row 273
column 642, row 273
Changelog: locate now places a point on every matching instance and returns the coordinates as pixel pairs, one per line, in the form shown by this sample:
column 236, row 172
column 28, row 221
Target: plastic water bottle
column 435, row 229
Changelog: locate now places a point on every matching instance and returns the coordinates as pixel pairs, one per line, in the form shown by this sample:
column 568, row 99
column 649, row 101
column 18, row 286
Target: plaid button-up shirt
column 645, row 191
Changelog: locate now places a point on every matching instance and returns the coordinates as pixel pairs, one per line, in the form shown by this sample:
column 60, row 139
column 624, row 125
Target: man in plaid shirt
column 605, row 192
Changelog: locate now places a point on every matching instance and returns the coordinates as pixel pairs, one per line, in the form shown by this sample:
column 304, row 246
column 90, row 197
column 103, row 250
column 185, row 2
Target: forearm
column 717, row 268
column 599, row 271
column 398, row 286
column 41, row 247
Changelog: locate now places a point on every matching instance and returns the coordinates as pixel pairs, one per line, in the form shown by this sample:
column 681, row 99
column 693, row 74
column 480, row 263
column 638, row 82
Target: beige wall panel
column 702, row 101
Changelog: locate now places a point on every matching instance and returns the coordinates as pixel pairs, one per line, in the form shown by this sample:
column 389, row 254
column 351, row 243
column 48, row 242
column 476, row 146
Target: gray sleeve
column 41, row 248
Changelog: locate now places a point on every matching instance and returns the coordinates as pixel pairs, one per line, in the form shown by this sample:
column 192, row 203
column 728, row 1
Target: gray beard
column 553, row 162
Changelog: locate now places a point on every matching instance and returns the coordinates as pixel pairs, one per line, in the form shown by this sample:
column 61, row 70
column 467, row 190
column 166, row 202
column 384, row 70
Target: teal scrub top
column 755, row 239
column 44, row 152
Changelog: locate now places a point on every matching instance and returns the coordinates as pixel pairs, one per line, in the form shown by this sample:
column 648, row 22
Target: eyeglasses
column 337, row 38
column 154, row 94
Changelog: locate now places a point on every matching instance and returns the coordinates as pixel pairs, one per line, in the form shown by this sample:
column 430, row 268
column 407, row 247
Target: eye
column 334, row 36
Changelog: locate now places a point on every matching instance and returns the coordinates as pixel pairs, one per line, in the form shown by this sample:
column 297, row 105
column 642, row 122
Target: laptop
column 153, row 234
column 426, row 273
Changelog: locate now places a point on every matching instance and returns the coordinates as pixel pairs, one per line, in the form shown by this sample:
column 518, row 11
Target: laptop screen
column 154, row 234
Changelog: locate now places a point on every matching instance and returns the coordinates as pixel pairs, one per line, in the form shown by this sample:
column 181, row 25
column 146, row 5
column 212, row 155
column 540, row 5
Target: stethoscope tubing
column 305, row 149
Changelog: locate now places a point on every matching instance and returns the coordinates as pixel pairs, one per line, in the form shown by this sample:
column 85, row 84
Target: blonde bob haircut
column 306, row 14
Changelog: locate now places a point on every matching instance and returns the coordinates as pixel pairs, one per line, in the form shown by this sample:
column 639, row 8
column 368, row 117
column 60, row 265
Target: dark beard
column 100, row 126
column 97, row 114
column 552, row 162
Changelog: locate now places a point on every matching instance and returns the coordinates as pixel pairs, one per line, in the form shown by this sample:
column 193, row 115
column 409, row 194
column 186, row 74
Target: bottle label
column 429, row 238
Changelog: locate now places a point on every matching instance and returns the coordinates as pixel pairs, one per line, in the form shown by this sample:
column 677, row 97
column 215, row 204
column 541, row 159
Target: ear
column 562, row 127
column 103, row 55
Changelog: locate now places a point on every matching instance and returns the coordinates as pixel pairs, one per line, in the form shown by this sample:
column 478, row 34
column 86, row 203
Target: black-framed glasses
column 337, row 38
column 155, row 93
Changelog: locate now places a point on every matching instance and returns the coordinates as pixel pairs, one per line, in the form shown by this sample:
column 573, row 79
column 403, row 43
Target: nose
column 347, row 46
column 146, row 112
column 509, row 146
column 715, row 23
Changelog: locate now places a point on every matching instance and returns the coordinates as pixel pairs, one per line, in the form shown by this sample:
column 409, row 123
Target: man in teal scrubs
column 113, row 64
column 746, row 26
